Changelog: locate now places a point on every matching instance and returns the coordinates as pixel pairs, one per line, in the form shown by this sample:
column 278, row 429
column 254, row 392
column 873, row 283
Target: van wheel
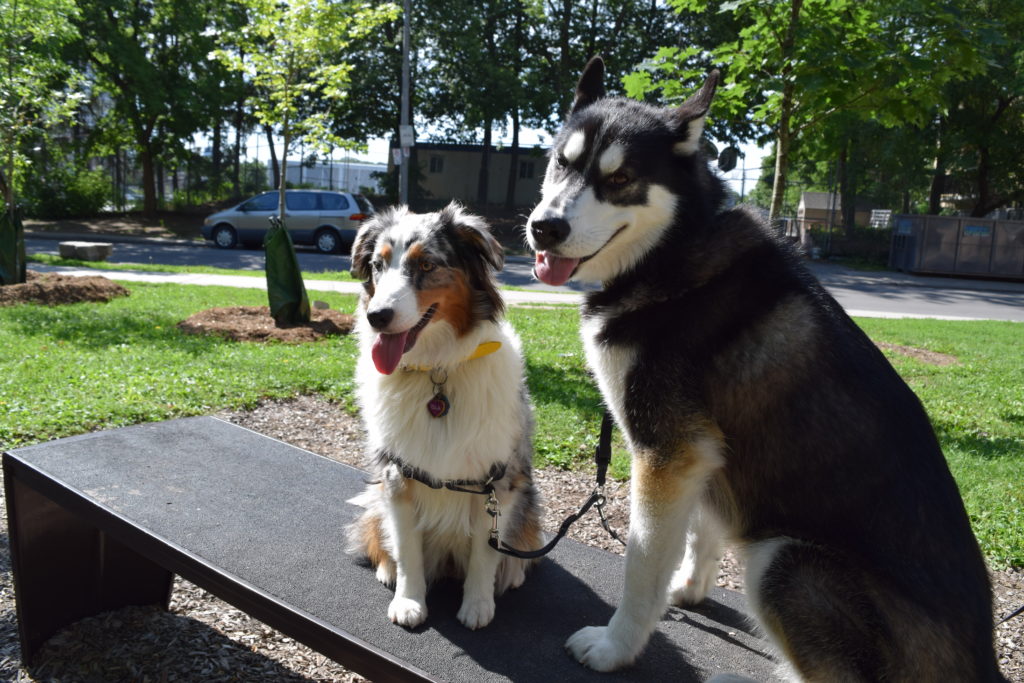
column 225, row 237
column 327, row 240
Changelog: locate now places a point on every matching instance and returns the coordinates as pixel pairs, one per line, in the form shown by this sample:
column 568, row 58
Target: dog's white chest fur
column 611, row 365
column 482, row 426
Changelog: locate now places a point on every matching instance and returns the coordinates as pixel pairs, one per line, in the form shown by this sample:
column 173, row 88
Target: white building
column 349, row 176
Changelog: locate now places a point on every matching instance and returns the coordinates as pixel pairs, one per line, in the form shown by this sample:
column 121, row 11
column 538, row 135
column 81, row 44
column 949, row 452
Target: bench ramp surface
column 261, row 524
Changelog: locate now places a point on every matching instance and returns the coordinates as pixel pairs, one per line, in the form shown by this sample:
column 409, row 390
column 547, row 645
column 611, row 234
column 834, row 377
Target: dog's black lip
column 415, row 330
column 599, row 249
column 426, row 318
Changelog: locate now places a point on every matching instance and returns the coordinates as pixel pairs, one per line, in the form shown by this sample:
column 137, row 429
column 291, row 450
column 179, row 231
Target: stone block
column 86, row 251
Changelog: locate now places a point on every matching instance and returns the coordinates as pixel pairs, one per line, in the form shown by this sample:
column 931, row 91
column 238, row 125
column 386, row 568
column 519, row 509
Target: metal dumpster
column 953, row 245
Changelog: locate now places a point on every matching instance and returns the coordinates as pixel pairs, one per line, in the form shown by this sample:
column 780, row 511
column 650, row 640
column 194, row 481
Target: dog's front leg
column 478, row 589
column 409, row 606
column 665, row 487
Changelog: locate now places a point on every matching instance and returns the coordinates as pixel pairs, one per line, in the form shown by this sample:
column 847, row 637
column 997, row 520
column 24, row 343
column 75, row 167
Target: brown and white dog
column 755, row 409
column 440, row 385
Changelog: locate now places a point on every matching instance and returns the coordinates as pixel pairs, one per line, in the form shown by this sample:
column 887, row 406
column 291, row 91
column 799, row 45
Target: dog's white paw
column 689, row 589
column 386, row 574
column 407, row 612
column 476, row 612
column 592, row 647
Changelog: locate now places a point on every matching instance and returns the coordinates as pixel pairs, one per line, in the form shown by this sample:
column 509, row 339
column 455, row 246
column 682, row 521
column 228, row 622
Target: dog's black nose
column 549, row 231
column 380, row 318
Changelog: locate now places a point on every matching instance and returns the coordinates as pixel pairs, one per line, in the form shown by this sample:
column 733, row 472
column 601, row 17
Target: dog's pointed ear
column 472, row 231
column 366, row 242
column 689, row 117
column 591, row 84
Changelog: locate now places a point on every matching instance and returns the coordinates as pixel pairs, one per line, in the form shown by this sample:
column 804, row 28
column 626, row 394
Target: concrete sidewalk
column 513, row 297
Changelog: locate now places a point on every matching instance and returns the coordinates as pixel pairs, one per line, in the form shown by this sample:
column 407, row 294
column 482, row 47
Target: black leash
column 1020, row 610
column 603, row 457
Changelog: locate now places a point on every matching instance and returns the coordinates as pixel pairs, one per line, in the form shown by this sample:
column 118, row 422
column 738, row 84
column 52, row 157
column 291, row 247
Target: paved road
column 871, row 294
column 517, row 272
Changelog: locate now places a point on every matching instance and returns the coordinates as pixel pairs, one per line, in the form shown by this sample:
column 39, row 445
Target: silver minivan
column 326, row 220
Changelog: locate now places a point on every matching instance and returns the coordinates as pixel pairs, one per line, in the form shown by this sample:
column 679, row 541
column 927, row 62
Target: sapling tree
column 284, row 51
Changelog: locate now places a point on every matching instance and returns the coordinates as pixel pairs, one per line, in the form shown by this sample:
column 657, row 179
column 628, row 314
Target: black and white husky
column 440, row 385
column 754, row 409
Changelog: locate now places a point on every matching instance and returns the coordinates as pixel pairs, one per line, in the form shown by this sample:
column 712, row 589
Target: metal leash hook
column 494, row 511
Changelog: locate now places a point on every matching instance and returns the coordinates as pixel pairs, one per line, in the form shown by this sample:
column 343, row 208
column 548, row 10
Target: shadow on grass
column 980, row 447
column 573, row 388
column 95, row 326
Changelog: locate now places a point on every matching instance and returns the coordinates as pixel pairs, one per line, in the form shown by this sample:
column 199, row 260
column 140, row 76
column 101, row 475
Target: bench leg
column 65, row 569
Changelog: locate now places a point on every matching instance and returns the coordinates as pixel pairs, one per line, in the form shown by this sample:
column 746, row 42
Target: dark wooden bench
column 104, row 520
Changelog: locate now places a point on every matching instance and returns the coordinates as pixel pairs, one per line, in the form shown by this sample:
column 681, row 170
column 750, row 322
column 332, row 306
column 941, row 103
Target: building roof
column 820, row 201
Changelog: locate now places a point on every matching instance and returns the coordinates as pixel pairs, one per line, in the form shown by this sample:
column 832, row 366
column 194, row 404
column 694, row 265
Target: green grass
column 977, row 408
column 75, row 368
column 51, row 260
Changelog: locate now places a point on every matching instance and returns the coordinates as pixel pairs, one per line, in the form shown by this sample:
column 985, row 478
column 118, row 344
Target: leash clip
column 494, row 511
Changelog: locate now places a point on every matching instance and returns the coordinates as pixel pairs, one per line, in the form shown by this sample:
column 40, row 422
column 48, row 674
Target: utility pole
column 403, row 169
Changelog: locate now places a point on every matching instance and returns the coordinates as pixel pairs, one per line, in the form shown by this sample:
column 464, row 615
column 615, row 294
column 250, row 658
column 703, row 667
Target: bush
column 67, row 193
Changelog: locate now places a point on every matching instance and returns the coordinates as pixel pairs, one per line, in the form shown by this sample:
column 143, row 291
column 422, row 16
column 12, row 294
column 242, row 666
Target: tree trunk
column 938, row 185
column 148, row 181
column 286, row 134
column 986, row 202
column 513, row 162
column 517, row 66
column 215, row 171
column 846, row 193
column 236, row 168
column 781, row 164
column 269, row 132
column 484, row 179
column 562, row 77
column 782, row 139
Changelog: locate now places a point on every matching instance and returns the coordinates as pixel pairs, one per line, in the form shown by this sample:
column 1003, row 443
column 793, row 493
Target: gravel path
column 202, row 639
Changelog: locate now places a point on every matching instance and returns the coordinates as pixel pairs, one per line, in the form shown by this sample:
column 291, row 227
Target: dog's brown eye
column 618, row 178
column 426, row 266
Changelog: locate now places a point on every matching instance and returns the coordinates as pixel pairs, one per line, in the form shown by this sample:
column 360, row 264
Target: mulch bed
column 52, row 289
column 254, row 324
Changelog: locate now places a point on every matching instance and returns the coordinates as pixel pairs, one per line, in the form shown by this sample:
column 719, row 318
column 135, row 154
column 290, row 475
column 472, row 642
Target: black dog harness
column 485, row 487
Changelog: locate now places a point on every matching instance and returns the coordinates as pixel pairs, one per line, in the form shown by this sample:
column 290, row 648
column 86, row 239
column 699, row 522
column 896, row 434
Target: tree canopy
column 833, row 85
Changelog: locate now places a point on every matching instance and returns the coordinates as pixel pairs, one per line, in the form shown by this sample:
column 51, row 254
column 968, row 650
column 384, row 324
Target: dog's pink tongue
column 554, row 270
column 387, row 351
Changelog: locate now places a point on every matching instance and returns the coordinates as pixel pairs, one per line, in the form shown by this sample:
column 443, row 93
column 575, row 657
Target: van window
column 332, row 201
column 265, row 202
column 364, row 204
column 300, row 201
